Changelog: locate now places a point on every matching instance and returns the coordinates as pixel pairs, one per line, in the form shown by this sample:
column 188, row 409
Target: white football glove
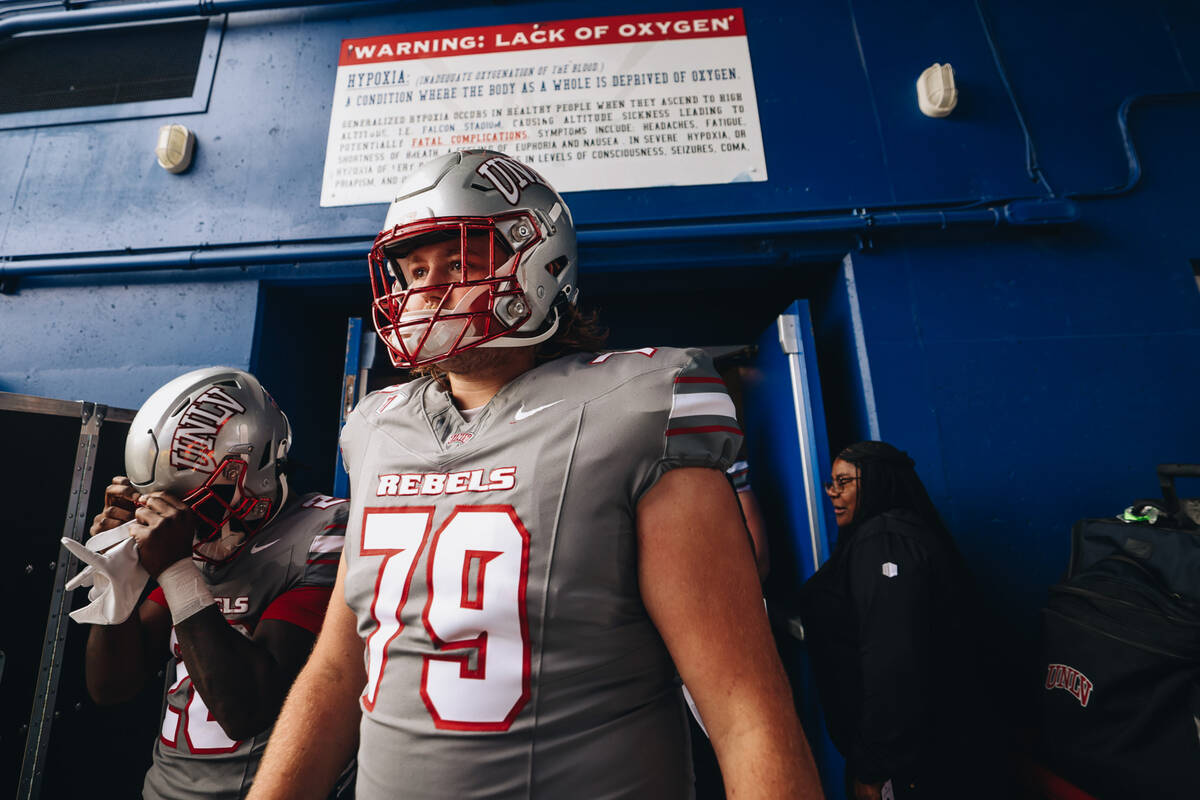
column 114, row 573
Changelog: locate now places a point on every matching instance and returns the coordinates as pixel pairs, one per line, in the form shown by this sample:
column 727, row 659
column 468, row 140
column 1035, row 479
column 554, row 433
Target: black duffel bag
column 1120, row 704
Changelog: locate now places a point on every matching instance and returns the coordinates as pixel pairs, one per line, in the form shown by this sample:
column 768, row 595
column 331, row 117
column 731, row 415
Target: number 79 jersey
column 492, row 567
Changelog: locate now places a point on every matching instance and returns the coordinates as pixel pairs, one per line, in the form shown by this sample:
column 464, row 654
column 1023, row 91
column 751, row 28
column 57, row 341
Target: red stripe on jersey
column 304, row 606
column 334, row 527
column 686, row 379
column 704, row 429
column 157, row 596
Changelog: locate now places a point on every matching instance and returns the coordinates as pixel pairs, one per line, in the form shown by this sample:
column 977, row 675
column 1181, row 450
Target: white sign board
column 603, row 103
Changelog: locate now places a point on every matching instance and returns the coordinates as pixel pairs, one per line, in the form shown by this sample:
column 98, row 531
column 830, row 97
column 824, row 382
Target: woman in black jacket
column 888, row 625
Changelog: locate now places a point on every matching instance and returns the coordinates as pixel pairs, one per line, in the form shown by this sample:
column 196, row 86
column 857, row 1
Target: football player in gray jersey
column 245, row 573
column 541, row 539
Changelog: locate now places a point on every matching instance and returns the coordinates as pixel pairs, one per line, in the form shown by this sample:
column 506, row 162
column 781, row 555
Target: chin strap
column 517, row 340
column 283, row 495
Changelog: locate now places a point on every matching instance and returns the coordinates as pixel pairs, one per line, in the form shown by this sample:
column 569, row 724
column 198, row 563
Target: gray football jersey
column 492, row 566
column 297, row 556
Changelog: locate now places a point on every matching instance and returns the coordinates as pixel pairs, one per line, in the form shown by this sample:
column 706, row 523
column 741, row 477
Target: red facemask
column 421, row 324
column 215, row 504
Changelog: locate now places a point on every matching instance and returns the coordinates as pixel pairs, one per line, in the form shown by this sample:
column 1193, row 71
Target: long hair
column 888, row 480
column 578, row 332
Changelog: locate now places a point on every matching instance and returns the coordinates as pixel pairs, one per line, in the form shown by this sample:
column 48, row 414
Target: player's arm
column 757, row 526
column 242, row 680
column 119, row 658
column 700, row 586
column 317, row 731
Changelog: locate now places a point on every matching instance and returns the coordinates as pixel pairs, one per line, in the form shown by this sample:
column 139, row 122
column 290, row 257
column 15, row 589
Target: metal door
column 788, row 450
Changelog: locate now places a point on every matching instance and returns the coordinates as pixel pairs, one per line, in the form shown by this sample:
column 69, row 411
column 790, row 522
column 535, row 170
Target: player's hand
column 163, row 529
column 120, row 501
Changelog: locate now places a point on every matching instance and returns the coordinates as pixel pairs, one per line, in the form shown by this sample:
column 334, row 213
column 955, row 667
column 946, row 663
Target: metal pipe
column 139, row 12
column 353, row 249
column 856, row 222
column 1134, row 174
column 191, row 258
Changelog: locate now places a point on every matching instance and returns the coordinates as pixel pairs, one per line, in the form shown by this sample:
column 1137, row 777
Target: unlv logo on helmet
column 195, row 436
column 509, row 177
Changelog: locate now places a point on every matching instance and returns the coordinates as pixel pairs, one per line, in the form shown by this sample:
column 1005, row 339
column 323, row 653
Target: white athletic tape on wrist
column 185, row 588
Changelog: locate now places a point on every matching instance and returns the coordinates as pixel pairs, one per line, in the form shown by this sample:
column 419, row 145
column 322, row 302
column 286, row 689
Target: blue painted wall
column 1036, row 375
column 115, row 341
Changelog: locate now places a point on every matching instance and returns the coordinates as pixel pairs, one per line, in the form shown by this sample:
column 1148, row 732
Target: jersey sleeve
column 325, row 547
column 700, row 427
column 303, row 606
column 356, row 432
column 739, row 475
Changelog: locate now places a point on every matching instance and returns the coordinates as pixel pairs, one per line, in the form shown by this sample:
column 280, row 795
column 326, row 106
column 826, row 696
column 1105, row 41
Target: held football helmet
column 477, row 251
column 214, row 439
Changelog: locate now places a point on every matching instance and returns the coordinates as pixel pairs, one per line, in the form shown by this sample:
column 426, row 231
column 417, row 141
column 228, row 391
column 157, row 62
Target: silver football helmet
column 476, row 251
column 214, row 439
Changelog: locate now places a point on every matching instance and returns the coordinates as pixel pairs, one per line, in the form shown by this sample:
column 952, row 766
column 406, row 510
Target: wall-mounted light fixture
column 936, row 93
column 175, row 147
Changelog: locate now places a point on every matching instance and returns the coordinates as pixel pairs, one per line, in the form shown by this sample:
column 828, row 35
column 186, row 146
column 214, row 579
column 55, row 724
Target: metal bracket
column 789, row 335
column 37, row 743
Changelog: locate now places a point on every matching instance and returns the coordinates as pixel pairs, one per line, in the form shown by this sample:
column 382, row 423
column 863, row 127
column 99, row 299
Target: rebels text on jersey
column 492, row 568
column 286, row 572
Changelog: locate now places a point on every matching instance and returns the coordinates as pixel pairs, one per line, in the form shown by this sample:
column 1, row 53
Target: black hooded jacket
column 888, row 623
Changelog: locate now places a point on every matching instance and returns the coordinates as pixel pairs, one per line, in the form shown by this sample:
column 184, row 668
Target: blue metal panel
column 781, row 436
column 1077, row 47
column 115, row 344
column 832, row 109
column 844, row 362
column 1038, row 379
column 351, row 371
column 979, row 149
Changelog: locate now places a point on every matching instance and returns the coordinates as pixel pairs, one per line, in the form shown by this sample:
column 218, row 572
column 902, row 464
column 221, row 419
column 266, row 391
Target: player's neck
column 477, row 375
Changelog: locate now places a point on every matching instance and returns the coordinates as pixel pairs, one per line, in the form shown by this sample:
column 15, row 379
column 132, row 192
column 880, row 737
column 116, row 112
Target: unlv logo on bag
column 1060, row 676
column 196, row 434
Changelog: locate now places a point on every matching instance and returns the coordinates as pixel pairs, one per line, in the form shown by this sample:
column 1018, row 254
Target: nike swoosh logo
column 256, row 547
column 522, row 413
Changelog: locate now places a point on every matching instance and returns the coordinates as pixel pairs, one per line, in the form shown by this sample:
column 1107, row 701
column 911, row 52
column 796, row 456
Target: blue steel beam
column 1019, row 213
